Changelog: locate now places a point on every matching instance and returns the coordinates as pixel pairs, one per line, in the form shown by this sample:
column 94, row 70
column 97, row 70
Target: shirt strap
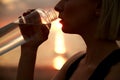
column 104, row 67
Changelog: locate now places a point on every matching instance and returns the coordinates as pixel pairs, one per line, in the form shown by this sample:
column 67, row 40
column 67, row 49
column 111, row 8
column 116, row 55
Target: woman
column 98, row 22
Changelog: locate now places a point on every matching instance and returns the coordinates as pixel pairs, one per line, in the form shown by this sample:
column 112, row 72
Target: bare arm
column 35, row 34
column 28, row 55
column 26, row 63
column 29, row 51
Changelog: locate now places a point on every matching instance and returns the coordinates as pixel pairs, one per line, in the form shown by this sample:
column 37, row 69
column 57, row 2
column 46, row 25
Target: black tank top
column 102, row 69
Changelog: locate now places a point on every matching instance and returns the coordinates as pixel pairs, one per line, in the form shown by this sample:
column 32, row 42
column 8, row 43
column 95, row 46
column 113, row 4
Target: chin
column 66, row 30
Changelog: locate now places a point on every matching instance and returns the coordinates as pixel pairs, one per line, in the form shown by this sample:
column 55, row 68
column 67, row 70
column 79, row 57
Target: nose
column 60, row 6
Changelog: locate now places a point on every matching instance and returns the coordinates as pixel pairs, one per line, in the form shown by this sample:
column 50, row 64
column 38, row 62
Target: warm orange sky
column 11, row 9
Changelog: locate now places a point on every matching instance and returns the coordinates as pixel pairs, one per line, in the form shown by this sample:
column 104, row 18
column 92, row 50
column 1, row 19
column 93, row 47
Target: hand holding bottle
column 33, row 32
column 34, row 27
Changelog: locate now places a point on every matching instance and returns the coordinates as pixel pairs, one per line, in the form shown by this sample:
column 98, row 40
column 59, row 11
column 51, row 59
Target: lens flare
column 59, row 37
column 59, row 48
column 58, row 62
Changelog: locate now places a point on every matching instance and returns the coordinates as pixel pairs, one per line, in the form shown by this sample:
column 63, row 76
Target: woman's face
column 76, row 15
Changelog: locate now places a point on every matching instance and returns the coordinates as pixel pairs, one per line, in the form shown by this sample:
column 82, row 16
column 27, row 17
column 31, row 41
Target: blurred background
column 52, row 54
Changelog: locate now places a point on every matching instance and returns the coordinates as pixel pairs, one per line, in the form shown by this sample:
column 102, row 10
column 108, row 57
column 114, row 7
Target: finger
column 41, row 27
column 28, row 12
column 26, row 30
column 44, row 30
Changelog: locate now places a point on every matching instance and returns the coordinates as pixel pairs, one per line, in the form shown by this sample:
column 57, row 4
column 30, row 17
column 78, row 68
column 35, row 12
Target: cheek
column 71, row 13
column 78, row 13
column 71, row 9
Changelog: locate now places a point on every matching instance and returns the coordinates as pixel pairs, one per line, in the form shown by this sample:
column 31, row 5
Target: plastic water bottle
column 10, row 35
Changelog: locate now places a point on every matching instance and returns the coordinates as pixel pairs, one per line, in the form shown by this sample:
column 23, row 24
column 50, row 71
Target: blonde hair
column 109, row 23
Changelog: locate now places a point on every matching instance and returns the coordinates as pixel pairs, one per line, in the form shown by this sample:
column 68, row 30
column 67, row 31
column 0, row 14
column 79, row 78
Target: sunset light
column 7, row 1
column 59, row 43
column 9, row 4
column 59, row 37
column 58, row 62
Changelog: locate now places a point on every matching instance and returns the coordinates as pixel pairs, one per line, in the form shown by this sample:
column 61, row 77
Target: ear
column 98, row 12
column 98, row 7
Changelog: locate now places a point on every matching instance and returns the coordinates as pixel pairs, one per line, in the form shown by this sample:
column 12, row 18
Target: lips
column 61, row 17
column 61, row 21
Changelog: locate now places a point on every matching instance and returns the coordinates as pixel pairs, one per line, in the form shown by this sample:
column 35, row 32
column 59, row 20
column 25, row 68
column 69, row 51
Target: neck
column 97, row 50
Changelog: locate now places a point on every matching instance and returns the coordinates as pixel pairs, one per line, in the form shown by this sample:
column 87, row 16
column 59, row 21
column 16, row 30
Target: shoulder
column 114, row 73
column 61, row 74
